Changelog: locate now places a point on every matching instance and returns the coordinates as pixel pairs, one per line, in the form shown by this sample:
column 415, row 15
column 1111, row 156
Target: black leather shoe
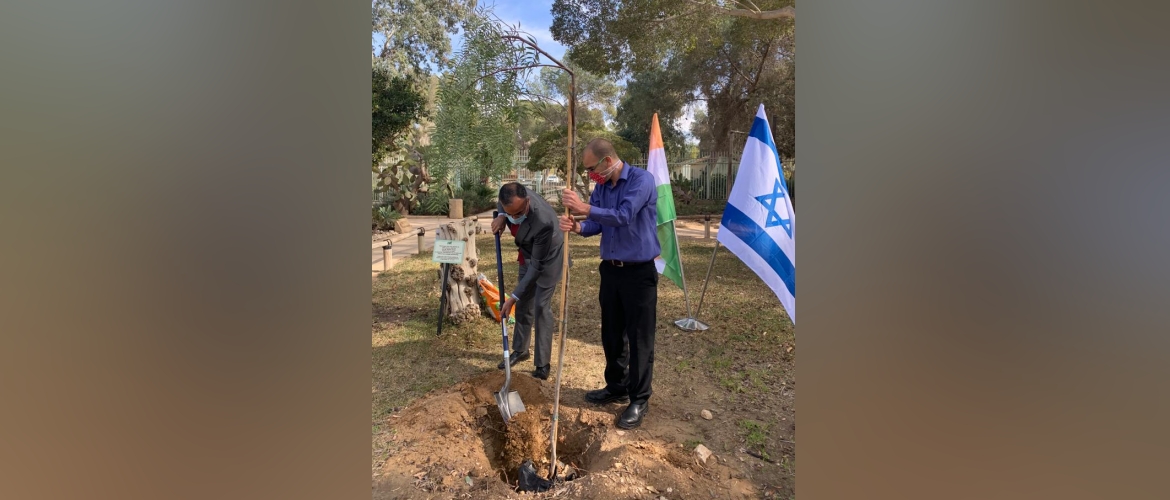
column 514, row 358
column 603, row 396
column 541, row 372
column 632, row 417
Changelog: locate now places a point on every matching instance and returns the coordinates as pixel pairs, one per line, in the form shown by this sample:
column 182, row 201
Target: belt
column 619, row 263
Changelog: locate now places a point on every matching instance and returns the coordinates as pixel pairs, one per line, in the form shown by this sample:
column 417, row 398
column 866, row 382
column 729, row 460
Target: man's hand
column 568, row 224
column 573, row 202
column 498, row 223
column 508, row 303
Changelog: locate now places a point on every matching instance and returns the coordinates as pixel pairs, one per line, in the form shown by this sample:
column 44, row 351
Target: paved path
column 404, row 245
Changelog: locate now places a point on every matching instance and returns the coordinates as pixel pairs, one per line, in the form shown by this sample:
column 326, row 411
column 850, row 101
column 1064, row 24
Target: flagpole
column 708, row 279
column 689, row 323
column 692, row 322
column 682, row 274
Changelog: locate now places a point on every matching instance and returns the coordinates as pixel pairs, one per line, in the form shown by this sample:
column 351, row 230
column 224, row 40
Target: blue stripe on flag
column 762, row 133
column 755, row 237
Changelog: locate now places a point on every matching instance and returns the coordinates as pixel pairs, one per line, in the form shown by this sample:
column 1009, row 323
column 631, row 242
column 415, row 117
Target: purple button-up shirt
column 626, row 215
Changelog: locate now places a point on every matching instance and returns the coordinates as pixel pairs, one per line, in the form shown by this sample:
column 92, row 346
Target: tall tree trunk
column 462, row 283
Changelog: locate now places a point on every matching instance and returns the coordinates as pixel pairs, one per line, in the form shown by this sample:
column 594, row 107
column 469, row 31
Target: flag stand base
column 691, row 324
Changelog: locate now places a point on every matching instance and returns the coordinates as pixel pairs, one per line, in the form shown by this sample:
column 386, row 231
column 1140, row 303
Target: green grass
column 720, row 363
column 757, row 378
column 755, row 435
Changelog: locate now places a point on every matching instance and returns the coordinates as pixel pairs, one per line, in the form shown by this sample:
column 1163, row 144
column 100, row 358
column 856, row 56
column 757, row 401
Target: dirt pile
column 454, row 444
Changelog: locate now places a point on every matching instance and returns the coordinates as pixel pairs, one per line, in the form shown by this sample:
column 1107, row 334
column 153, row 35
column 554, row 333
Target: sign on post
column 448, row 251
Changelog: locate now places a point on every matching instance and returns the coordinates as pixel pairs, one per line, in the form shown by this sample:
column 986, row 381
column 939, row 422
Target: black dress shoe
column 514, row 358
column 603, row 396
column 541, row 372
column 632, row 417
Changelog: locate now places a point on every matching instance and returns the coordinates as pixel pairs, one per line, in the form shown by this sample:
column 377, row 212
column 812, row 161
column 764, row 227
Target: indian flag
column 669, row 264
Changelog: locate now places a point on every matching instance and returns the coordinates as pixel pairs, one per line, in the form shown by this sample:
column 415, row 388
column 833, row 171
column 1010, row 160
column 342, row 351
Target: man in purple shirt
column 623, row 209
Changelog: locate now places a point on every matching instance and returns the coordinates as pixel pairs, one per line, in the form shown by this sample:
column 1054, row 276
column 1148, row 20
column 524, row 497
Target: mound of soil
column 454, row 444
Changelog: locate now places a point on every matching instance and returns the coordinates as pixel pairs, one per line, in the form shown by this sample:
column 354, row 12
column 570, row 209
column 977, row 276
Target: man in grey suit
column 541, row 245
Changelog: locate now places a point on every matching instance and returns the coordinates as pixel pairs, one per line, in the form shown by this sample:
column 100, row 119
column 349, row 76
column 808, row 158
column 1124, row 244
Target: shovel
column 508, row 401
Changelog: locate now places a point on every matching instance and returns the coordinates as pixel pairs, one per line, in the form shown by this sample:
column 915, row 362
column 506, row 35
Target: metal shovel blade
column 509, row 405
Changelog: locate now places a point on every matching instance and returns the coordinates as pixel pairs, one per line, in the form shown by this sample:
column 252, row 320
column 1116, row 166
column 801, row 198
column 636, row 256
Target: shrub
column 433, row 202
column 384, row 217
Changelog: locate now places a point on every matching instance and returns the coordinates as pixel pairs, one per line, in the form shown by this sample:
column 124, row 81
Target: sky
column 534, row 17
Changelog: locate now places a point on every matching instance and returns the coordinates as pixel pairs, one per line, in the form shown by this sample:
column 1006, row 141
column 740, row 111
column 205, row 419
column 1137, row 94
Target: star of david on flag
column 769, row 201
column 758, row 224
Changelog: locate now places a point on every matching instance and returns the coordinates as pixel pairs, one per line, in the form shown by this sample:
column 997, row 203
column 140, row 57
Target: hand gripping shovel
column 508, row 401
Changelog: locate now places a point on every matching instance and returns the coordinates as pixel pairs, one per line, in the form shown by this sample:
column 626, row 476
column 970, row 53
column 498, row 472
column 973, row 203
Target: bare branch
column 542, row 97
column 513, row 68
column 734, row 66
column 538, row 49
column 783, row 12
column 760, row 69
column 747, row 4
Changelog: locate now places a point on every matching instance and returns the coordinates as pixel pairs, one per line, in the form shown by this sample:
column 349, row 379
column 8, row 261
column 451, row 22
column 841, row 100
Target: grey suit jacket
column 541, row 242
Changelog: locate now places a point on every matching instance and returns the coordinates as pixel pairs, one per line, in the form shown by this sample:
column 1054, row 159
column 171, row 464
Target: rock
column 670, row 490
column 402, row 225
column 706, row 414
column 621, row 433
column 702, row 453
column 481, row 412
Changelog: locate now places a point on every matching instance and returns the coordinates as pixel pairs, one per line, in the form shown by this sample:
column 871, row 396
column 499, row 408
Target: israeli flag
column 758, row 222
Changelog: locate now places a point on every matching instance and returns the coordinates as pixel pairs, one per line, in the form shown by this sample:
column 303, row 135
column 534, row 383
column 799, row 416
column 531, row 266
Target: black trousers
column 629, row 301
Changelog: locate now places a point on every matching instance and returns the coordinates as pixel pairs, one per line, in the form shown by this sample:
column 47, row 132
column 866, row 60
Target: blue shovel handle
column 500, row 275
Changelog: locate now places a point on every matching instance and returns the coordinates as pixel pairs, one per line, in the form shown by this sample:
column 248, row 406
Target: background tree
column 546, row 97
column 550, row 149
column 660, row 90
column 701, row 132
column 396, row 106
column 416, row 34
column 742, row 65
column 479, row 110
column 397, row 167
column 734, row 55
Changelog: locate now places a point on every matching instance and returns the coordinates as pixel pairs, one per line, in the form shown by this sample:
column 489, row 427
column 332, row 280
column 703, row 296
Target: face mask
column 600, row 178
column 517, row 220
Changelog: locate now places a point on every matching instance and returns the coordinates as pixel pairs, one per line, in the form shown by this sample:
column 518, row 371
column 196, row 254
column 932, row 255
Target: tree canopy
column 416, row 34
column 547, row 97
column 396, row 106
column 731, row 55
column 664, row 91
column 479, row 110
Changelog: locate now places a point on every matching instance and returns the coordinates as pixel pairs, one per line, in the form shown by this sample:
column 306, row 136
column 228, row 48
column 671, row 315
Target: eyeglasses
column 599, row 162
